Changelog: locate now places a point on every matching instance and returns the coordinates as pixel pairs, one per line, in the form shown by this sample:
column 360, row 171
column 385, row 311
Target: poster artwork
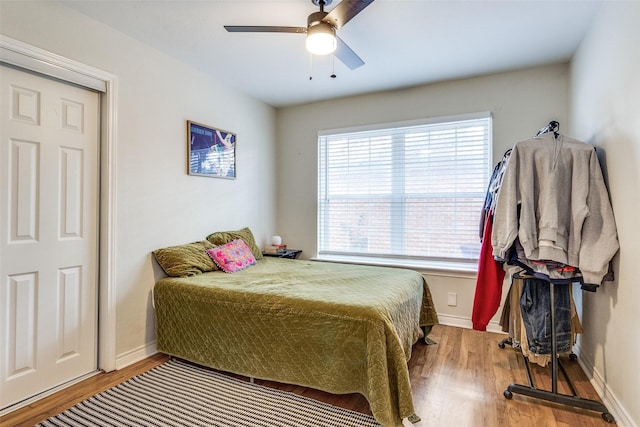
column 212, row 152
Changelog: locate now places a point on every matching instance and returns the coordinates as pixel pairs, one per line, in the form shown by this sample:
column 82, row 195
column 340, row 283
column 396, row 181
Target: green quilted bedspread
column 334, row 327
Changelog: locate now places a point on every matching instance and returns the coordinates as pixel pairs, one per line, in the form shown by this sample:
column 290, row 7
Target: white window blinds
column 404, row 191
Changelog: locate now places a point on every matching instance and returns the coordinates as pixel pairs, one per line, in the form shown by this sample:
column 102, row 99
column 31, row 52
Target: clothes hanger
column 553, row 126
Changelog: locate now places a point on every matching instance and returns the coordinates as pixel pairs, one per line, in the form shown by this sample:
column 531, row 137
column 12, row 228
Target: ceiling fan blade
column 345, row 11
column 263, row 29
column 347, row 56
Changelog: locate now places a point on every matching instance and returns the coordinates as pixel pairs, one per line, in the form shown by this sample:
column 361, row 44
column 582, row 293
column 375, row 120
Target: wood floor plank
column 459, row 381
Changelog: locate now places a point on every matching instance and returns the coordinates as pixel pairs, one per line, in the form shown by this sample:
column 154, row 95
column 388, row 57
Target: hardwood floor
column 457, row 382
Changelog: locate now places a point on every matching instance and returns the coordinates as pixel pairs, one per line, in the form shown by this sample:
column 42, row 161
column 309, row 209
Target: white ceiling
column 403, row 42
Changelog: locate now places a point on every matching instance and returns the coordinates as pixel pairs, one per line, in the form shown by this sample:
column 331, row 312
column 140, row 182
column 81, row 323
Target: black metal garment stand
column 553, row 395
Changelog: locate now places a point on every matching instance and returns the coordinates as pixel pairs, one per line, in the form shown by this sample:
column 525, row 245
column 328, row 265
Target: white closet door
column 48, row 233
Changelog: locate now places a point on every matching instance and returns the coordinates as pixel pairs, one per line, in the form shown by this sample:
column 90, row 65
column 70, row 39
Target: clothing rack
column 553, row 396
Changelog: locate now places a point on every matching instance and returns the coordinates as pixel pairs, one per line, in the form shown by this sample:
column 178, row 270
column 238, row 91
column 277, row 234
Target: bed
column 334, row 327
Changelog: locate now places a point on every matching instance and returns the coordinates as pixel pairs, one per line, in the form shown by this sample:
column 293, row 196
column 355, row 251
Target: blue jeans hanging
column 536, row 315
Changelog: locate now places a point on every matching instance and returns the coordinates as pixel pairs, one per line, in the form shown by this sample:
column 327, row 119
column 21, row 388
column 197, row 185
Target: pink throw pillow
column 233, row 256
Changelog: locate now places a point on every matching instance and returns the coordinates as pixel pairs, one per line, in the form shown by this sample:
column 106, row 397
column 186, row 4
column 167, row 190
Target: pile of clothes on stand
column 547, row 219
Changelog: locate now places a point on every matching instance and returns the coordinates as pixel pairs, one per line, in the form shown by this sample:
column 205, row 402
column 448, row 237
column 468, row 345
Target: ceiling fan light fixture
column 321, row 39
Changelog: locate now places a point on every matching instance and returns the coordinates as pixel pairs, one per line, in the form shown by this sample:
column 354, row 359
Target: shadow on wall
column 595, row 309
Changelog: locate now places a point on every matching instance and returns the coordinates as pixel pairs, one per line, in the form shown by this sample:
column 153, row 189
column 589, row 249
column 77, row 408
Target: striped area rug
column 177, row 393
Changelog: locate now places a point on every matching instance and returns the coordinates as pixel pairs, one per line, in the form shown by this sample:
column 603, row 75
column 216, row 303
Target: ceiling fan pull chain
column 310, row 67
column 333, row 66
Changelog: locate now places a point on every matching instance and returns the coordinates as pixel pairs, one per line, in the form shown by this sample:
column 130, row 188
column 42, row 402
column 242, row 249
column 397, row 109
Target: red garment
column 488, row 283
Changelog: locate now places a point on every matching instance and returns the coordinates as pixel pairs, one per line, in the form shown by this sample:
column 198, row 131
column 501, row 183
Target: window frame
column 432, row 263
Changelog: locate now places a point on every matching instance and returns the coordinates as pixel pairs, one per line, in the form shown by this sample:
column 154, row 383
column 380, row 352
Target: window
column 405, row 191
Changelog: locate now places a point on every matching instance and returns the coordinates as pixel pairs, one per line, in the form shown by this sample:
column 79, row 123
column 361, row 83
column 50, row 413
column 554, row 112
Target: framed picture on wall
column 211, row 151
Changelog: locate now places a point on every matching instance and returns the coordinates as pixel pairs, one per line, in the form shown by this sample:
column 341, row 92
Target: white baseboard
column 465, row 322
column 132, row 356
column 622, row 417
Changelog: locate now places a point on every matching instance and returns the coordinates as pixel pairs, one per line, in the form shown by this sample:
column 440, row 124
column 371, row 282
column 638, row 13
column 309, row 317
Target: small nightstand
column 288, row 253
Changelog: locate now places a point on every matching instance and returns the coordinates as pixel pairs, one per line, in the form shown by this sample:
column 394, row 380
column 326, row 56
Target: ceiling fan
column 320, row 30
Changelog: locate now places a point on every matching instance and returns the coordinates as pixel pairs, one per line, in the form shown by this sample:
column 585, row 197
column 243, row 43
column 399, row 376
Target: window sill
column 436, row 268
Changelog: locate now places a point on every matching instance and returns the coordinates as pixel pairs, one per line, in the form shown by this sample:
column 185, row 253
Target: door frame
column 32, row 58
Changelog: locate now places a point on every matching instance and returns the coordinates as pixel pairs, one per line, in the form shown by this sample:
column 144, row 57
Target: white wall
column 521, row 102
column 158, row 204
column 605, row 111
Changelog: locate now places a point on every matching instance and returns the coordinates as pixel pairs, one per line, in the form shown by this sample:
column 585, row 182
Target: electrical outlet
column 452, row 299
